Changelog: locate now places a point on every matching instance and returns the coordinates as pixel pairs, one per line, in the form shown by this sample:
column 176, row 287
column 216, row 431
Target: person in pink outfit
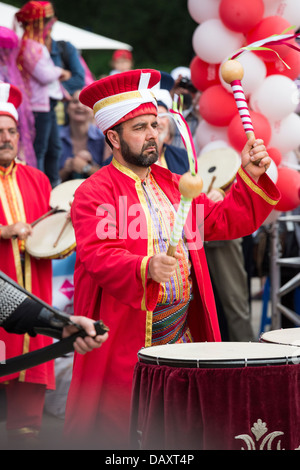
column 42, row 79
column 9, row 73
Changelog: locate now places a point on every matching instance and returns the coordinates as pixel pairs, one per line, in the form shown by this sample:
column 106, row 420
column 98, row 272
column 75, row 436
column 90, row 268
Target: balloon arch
column 269, row 83
column 270, row 87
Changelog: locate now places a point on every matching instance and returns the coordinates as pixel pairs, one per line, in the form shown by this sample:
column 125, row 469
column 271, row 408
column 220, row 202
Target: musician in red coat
column 24, row 197
column 123, row 216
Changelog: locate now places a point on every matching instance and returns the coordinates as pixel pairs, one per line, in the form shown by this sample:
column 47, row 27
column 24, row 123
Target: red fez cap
column 10, row 100
column 122, row 54
column 32, row 11
column 122, row 96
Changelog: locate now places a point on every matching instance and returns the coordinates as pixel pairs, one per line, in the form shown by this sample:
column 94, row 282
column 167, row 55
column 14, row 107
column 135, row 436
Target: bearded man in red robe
column 123, row 216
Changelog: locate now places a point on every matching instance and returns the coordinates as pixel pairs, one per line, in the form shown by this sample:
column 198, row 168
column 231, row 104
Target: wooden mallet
column 232, row 73
column 190, row 186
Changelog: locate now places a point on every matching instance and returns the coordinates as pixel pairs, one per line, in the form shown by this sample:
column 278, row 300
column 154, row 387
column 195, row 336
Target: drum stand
column 278, row 291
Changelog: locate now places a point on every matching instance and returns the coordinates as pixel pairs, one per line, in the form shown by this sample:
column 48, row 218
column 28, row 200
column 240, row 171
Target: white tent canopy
column 81, row 39
column 84, row 40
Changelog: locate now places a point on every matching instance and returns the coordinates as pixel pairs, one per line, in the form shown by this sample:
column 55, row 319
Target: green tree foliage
column 160, row 31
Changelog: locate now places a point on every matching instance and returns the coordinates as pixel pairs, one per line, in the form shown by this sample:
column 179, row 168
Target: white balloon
column 255, row 71
column 290, row 11
column 289, row 158
column 213, row 42
column 270, row 7
column 181, row 70
column 202, row 10
column 285, row 134
column 272, row 172
column 206, row 133
column 276, row 98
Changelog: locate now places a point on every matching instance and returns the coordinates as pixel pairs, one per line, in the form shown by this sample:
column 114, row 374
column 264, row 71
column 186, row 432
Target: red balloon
column 217, row 106
column 237, row 135
column 292, row 59
column 204, row 75
column 241, row 15
column 288, row 184
column 275, row 154
column 265, row 28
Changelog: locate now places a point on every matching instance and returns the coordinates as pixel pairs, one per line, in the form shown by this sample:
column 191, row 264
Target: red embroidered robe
column 24, row 196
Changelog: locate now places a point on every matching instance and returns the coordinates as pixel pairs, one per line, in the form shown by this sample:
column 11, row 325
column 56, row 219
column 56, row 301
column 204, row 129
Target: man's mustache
column 150, row 144
column 6, row 146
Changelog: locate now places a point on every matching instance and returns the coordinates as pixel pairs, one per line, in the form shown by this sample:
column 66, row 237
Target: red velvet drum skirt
column 217, row 396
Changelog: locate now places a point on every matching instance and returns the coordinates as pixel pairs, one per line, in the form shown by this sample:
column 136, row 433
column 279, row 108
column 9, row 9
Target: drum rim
column 226, row 363
column 227, row 185
column 61, row 254
column 216, row 364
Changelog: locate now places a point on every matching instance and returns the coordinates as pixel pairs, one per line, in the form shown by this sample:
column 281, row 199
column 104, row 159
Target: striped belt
column 169, row 323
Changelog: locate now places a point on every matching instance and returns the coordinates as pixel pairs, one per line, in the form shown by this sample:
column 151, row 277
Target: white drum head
column 290, row 336
column 227, row 354
column 223, row 163
column 63, row 194
column 44, row 235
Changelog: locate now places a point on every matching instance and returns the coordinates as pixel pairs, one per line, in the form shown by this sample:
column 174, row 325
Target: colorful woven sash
column 169, row 323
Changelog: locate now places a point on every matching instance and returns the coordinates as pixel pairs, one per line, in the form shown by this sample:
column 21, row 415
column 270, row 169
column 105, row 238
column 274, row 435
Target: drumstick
column 190, row 186
column 61, row 232
column 190, row 183
column 52, row 211
column 211, row 184
column 232, row 72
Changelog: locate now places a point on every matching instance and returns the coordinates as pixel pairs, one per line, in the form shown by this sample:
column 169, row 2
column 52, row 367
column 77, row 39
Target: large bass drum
column 216, row 396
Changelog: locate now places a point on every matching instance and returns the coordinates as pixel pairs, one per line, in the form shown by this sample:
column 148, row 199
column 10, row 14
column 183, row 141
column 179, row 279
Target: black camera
column 187, row 84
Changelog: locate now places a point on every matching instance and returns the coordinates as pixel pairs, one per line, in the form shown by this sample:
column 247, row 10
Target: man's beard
column 142, row 159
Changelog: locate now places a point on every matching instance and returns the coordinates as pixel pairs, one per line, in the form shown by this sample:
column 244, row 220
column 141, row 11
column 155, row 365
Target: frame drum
column 46, row 233
column 219, row 355
column 223, row 163
column 63, row 194
column 289, row 336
